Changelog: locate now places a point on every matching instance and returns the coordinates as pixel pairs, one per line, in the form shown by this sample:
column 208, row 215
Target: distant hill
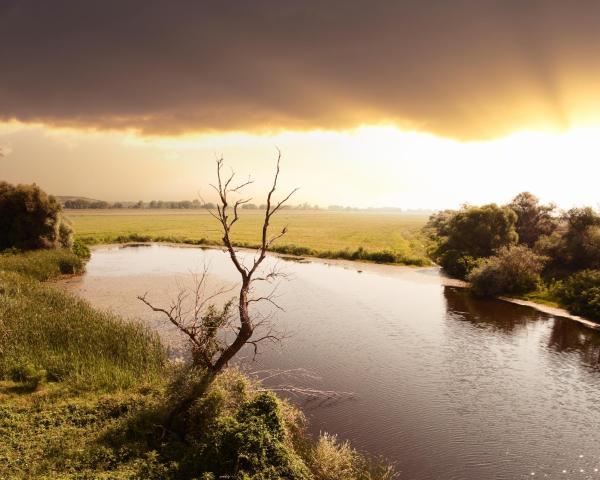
column 64, row 198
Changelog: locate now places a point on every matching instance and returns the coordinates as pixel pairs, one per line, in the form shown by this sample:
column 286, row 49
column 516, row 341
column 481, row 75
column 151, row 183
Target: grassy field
column 326, row 234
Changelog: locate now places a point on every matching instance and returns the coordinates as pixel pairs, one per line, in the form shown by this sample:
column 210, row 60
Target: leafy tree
column 438, row 223
column 576, row 246
column 533, row 219
column 515, row 269
column 581, row 293
column 30, row 219
column 473, row 233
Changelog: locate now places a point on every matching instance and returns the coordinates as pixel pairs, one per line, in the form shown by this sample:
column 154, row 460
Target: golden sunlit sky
column 408, row 104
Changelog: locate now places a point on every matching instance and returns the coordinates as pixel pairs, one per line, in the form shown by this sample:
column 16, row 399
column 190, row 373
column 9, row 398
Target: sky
column 412, row 104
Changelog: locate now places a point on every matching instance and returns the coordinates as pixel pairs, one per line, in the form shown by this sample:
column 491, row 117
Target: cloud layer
column 464, row 69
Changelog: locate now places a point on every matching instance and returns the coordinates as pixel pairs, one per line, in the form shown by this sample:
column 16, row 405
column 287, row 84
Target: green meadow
column 383, row 237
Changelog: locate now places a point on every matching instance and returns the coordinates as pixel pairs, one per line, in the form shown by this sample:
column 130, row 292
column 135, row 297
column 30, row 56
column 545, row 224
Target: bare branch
column 209, row 329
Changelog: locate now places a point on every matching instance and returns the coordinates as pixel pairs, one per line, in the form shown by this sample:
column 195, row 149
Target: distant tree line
column 82, row 203
column 523, row 247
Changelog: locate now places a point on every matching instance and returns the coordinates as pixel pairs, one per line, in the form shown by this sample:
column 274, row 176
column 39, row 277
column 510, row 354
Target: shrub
column 81, row 249
column 28, row 374
column 456, row 263
column 292, row 250
column 234, row 431
column 253, row 441
column 514, row 270
column 580, row 294
column 30, row 219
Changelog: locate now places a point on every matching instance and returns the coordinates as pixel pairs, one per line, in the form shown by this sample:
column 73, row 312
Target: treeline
column 82, row 203
column 523, row 247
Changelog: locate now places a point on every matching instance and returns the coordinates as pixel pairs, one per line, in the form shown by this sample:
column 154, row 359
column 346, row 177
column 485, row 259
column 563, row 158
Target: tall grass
column 332, row 459
column 42, row 264
column 50, row 331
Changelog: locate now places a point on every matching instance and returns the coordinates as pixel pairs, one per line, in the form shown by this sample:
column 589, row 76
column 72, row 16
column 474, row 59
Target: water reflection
column 568, row 336
column 565, row 334
column 502, row 316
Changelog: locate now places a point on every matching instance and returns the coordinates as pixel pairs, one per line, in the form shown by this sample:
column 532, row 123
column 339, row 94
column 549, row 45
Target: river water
column 444, row 385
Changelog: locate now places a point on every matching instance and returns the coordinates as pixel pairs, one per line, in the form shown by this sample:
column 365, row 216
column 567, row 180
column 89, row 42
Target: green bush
column 580, row 294
column 65, row 234
column 292, row 250
column 81, row 250
column 42, row 264
column 456, row 264
column 251, row 441
column 30, row 219
column 28, row 374
column 514, row 270
column 469, row 234
column 71, row 341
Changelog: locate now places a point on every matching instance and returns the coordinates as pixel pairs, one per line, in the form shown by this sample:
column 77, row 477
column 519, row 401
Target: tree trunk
column 244, row 333
column 182, row 407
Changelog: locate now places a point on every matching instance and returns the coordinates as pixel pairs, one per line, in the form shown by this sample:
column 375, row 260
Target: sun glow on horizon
column 379, row 165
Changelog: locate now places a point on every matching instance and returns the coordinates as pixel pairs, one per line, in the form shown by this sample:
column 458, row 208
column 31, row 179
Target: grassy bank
column 42, row 264
column 57, row 337
column 85, row 395
column 385, row 238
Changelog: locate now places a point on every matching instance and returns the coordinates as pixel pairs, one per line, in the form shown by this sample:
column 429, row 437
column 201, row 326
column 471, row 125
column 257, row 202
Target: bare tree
column 207, row 326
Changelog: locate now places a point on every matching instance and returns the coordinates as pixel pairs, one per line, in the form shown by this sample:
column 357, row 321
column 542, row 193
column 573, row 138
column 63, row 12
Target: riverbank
column 551, row 310
column 84, row 393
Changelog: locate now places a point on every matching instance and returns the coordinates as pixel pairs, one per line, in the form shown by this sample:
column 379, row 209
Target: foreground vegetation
column 84, row 394
column 379, row 237
column 42, row 264
column 51, row 336
column 523, row 249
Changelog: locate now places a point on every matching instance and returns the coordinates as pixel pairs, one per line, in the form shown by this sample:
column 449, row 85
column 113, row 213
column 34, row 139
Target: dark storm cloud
column 468, row 69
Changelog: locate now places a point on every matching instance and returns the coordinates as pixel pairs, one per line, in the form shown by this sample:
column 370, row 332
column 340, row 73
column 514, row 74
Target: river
column 444, row 385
